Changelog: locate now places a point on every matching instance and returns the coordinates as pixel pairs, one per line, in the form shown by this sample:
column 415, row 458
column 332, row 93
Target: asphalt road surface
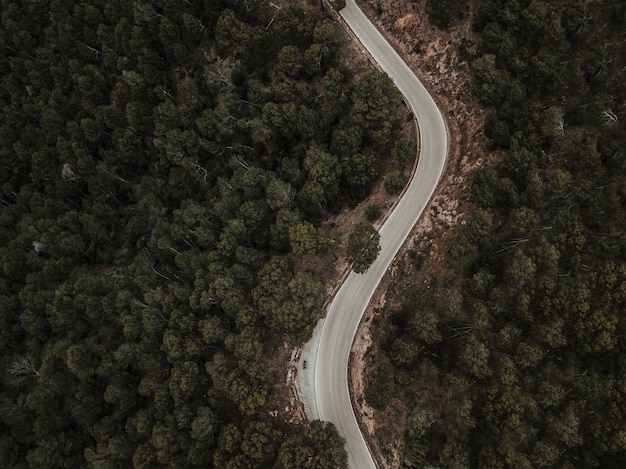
column 345, row 312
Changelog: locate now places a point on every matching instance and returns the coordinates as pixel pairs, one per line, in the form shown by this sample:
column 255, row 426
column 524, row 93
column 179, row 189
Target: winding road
column 329, row 351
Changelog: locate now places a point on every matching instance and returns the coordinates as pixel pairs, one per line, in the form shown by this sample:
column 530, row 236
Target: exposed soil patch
column 284, row 407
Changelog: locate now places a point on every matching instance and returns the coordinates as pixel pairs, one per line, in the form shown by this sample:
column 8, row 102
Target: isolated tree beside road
column 363, row 246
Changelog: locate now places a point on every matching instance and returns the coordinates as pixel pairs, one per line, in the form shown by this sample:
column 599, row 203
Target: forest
column 165, row 163
column 515, row 355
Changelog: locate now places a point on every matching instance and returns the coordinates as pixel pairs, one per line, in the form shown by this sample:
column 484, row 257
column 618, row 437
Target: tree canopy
column 512, row 353
column 363, row 246
column 162, row 162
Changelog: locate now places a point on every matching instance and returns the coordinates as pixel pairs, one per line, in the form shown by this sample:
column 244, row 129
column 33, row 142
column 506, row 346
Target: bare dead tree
column 203, row 29
column 93, row 50
column 188, row 241
column 560, row 125
column 152, row 11
column 239, row 146
column 510, row 245
column 160, row 274
column 460, row 331
column 609, row 118
column 239, row 159
column 201, row 170
column 225, row 79
column 21, row 369
column 11, row 409
column 111, row 173
column 139, row 303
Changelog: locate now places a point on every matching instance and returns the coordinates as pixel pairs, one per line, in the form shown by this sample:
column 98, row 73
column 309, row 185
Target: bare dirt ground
column 434, row 55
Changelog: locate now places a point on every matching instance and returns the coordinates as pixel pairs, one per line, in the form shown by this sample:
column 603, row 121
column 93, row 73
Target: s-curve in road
column 345, row 312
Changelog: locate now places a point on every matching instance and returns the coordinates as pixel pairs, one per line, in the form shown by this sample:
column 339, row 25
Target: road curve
column 330, row 374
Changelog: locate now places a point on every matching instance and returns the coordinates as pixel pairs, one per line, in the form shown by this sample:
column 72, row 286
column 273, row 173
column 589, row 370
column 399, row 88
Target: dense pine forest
column 515, row 355
column 163, row 163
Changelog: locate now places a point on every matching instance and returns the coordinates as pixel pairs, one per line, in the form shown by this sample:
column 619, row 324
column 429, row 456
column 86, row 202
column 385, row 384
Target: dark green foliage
column 395, row 182
column 375, row 99
column 306, row 240
column 442, row 12
column 404, row 150
column 320, row 448
column 517, row 359
column 380, row 386
column 372, row 212
column 156, row 158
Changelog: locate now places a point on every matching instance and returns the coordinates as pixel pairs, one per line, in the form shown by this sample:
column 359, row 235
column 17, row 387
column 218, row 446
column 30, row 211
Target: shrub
column 394, row 182
column 372, row 212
